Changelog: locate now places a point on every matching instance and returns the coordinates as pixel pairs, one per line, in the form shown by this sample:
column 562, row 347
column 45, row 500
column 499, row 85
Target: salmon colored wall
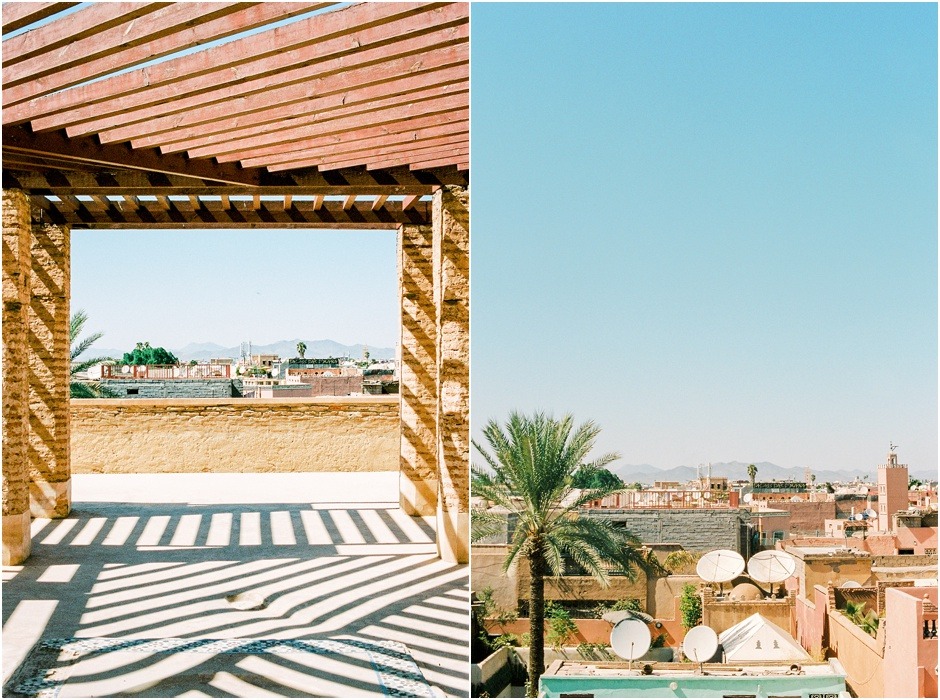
column 912, row 658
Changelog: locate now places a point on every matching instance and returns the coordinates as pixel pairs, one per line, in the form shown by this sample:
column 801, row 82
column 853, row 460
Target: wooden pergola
column 156, row 115
column 361, row 103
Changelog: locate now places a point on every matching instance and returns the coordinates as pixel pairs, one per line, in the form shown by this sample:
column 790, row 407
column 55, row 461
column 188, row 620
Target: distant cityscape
column 277, row 370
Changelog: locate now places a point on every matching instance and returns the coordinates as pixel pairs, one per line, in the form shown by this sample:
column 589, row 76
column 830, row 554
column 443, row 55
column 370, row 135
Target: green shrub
column 690, row 605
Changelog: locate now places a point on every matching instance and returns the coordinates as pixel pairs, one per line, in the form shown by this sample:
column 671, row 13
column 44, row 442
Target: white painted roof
column 759, row 639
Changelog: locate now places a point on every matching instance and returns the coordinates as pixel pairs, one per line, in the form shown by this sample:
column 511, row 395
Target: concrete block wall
column 171, row 388
column 117, row 436
column 694, row 529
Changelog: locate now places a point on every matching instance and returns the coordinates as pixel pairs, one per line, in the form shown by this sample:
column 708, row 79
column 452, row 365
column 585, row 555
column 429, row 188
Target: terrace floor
column 235, row 585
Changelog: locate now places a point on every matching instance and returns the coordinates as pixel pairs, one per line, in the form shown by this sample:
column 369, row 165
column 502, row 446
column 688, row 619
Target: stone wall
column 694, row 529
column 171, row 388
column 807, row 518
column 117, row 436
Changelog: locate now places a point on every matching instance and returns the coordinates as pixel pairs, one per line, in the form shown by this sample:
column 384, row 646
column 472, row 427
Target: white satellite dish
column 630, row 639
column 771, row 566
column 700, row 644
column 720, row 566
column 871, row 513
column 851, row 584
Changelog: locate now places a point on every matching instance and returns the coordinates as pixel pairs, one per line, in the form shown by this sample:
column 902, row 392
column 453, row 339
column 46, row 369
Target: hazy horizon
column 733, row 206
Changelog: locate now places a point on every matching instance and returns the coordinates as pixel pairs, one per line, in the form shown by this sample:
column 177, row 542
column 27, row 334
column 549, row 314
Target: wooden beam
column 288, row 200
column 257, row 56
column 379, row 202
column 17, row 15
column 399, row 157
column 86, row 150
column 348, row 201
column 317, row 202
column 452, row 154
column 221, row 121
column 325, row 158
column 89, row 21
column 327, row 148
column 392, row 181
column 179, row 26
column 346, row 123
column 408, row 202
column 212, row 214
column 441, row 48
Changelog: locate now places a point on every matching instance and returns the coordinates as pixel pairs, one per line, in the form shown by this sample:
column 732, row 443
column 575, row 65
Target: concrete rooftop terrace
column 235, row 585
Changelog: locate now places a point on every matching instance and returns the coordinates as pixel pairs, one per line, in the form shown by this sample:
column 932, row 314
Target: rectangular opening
column 133, row 392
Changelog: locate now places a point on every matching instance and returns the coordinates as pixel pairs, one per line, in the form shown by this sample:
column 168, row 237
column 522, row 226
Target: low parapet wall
column 117, row 436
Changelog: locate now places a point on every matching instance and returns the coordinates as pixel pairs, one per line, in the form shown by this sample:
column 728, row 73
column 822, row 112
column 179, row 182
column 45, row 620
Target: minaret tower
column 892, row 490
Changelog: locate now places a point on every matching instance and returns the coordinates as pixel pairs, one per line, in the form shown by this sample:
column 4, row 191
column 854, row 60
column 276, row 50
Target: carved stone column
column 418, row 374
column 49, row 464
column 451, row 226
column 16, row 266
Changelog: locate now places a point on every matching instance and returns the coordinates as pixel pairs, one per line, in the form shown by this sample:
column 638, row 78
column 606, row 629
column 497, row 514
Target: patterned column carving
column 16, row 267
column 451, row 228
column 49, row 467
column 418, row 371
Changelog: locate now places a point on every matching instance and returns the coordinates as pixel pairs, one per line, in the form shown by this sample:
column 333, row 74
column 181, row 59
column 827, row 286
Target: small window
column 905, row 551
column 133, row 392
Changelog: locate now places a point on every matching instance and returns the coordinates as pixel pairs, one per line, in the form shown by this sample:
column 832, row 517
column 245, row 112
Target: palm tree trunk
column 536, row 621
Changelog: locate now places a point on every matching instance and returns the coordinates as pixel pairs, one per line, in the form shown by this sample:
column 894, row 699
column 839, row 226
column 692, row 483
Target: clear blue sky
column 711, row 228
column 175, row 287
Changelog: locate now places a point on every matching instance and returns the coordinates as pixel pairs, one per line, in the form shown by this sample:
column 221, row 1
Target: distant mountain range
column 766, row 471
column 284, row 348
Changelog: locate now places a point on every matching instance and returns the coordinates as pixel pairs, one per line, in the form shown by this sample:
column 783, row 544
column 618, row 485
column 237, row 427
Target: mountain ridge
column 285, row 348
column 766, row 471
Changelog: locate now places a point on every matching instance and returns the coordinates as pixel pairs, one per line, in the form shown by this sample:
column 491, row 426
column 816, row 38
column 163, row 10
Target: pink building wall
column 912, row 658
column 811, row 620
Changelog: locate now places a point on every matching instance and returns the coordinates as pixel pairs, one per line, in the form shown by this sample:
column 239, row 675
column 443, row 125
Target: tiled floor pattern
column 58, row 664
column 336, row 582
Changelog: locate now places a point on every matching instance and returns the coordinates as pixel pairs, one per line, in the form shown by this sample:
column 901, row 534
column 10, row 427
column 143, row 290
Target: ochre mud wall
column 120, row 436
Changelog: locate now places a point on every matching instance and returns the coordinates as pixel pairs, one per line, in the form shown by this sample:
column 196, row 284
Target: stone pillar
column 418, row 371
column 16, row 265
column 451, row 227
column 49, row 468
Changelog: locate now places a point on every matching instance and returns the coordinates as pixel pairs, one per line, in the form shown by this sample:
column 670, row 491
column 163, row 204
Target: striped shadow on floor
column 114, row 667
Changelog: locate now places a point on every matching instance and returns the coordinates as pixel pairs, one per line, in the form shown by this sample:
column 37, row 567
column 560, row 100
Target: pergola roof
column 120, row 101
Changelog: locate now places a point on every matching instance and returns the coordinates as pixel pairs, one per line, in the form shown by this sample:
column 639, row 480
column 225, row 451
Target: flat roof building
column 578, row 679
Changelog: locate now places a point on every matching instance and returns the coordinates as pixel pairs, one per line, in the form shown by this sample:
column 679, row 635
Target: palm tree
column 532, row 463
column 84, row 389
column 301, row 349
column 752, row 473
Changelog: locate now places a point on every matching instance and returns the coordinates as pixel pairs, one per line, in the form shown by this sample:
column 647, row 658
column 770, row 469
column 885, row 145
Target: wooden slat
column 379, row 202
column 17, row 15
column 256, row 56
column 211, row 214
column 451, row 154
column 369, row 148
column 89, row 21
column 348, row 201
column 318, row 135
column 408, row 202
column 166, row 31
column 288, row 201
column 215, row 123
column 391, row 181
column 401, row 156
column 338, row 73
column 86, row 150
column 385, row 131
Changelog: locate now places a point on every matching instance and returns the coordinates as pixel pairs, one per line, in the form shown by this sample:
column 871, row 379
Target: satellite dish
column 630, row 639
column 720, row 566
column 772, row 566
column 851, row 584
column 748, row 497
column 700, row 644
column 871, row 513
